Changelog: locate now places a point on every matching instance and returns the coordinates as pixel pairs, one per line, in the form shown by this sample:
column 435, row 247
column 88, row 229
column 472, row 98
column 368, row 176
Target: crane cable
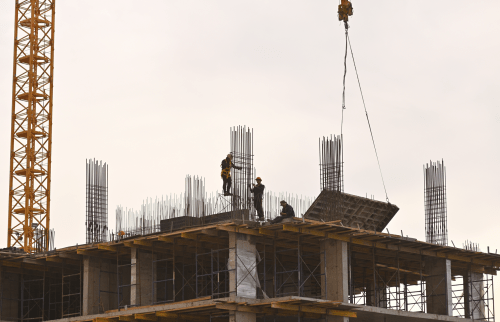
column 348, row 43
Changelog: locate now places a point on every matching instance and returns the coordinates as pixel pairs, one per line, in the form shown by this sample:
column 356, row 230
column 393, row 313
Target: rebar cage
column 97, row 202
column 436, row 230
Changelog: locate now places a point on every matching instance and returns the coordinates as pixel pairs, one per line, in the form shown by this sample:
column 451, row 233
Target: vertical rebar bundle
column 241, row 147
column 331, row 160
column 97, row 202
column 436, row 230
column 194, row 192
column 331, row 163
column 468, row 245
column 192, row 203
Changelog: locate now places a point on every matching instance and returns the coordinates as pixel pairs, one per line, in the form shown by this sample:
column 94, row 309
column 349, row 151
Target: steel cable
column 366, row 112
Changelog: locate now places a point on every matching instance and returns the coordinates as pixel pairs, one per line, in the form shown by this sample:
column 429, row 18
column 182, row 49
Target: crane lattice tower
column 31, row 137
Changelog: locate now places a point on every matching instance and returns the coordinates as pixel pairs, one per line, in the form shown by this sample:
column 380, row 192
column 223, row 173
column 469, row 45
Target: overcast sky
column 153, row 87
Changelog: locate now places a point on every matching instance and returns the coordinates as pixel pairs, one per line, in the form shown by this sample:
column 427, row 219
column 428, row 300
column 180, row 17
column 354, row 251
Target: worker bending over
column 286, row 212
column 225, row 174
column 258, row 192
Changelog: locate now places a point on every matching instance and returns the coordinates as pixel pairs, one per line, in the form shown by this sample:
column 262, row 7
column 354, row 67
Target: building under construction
column 238, row 270
column 209, row 262
column 204, row 259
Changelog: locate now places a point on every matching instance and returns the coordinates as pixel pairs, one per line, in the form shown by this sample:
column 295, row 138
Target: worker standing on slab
column 225, row 174
column 286, row 212
column 258, row 192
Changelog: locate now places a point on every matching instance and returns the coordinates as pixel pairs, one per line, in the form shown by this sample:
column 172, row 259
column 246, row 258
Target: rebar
column 331, row 159
column 97, row 201
column 436, row 230
column 195, row 207
column 241, row 147
column 331, row 165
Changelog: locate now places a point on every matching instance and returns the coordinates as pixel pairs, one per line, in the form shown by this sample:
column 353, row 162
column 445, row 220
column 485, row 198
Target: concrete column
column 242, row 317
column 135, row 293
column 9, row 291
column 334, row 284
column 243, row 281
column 90, row 285
column 438, row 286
column 141, row 275
column 474, row 296
column 99, row 285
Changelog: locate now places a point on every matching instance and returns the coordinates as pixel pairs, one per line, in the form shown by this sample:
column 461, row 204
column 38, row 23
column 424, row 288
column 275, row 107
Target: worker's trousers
column 226, row 184
column 279, row 219
column 257, row 202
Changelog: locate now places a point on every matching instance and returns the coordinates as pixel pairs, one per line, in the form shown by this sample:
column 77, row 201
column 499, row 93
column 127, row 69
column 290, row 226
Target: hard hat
column 258, row 178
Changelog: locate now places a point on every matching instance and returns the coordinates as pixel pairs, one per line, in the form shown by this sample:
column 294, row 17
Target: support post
column 141, row 278
column 474, row 296
column 90, row 285
column 438, row 286
column 243, row 264
column 335, row 279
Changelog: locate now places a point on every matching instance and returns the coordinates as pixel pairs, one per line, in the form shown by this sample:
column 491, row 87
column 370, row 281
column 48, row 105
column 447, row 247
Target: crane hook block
column 345, row 10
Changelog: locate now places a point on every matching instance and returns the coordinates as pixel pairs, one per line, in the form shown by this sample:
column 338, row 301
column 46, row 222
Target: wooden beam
column 143, row 242
column 74, row 256
column 101, row 320
column 210, row 232
column 310, row 309
column 146, row 317
column 240, row 308
column 113, row 249
column 236, row 229
column 126, row 318
column 95, row 254
column 179, row 316
column 210, row 239
column 267, row 232
column 166, row 239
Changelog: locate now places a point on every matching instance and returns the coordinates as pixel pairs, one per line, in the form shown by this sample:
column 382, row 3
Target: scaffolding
column 436, row 230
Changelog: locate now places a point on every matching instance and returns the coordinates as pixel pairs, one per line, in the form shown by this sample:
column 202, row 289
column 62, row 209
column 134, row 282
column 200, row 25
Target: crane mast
column 31, row 134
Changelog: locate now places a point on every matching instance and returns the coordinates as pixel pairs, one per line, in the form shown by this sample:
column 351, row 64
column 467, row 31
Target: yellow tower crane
column 31, row 137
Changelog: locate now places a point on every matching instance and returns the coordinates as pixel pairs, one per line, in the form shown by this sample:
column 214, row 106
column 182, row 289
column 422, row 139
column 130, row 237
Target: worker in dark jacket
column 258, row 192
column 286, row 212
column 225, row 174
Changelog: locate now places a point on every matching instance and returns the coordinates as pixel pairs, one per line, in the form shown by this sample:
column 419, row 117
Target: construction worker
column 286, row 212
column 258, row 192
column 225, row 174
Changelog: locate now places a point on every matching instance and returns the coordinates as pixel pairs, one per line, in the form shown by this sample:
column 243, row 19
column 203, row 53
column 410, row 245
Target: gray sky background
column 152, row 88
